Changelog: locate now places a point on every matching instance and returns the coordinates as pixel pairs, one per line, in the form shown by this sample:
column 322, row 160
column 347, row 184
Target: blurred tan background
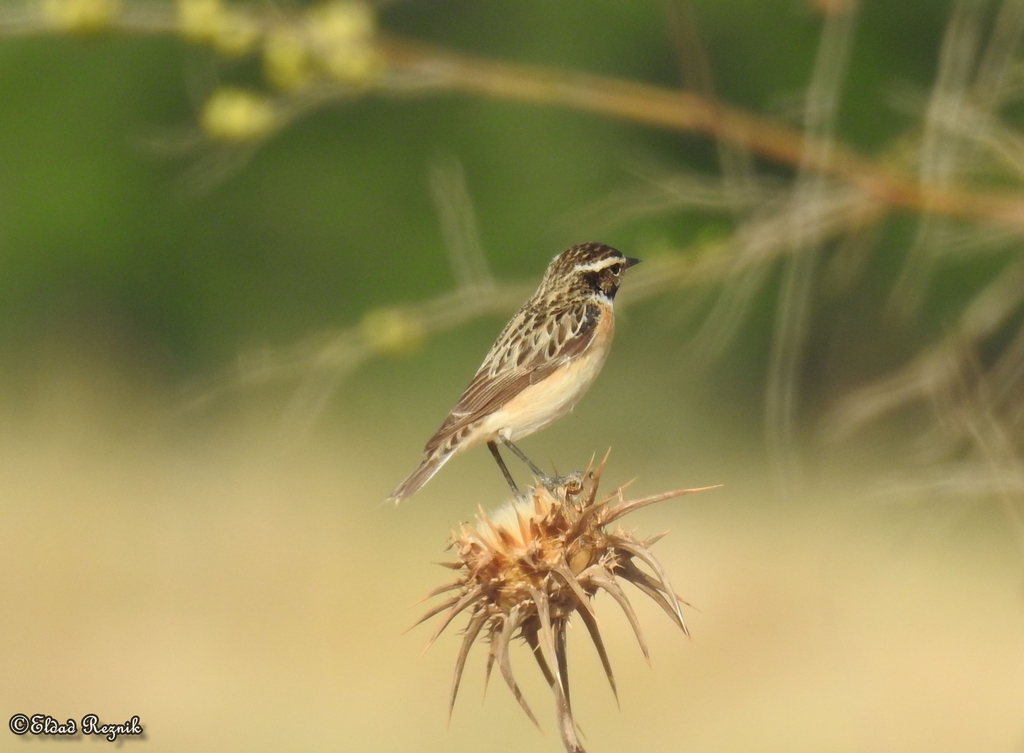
column 239, row 596
column 219, row 355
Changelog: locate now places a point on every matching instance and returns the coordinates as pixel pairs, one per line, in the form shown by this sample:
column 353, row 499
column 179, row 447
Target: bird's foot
column 571, row 482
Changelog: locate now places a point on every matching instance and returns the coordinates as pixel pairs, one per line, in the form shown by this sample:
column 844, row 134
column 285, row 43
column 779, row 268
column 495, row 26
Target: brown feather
column 497, row 383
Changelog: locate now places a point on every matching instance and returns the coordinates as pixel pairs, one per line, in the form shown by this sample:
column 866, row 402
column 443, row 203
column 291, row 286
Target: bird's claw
column 571, row 482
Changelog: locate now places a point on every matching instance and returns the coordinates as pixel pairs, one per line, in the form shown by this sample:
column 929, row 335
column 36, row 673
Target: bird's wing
column 529, row 349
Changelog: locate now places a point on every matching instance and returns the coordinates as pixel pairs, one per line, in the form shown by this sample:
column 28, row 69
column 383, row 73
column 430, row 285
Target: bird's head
column 589, row 269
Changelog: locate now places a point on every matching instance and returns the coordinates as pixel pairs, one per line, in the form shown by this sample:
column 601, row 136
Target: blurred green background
column 239, row 585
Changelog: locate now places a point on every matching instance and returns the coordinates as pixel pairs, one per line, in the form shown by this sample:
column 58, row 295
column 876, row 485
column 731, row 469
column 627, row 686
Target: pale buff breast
column 541, row 404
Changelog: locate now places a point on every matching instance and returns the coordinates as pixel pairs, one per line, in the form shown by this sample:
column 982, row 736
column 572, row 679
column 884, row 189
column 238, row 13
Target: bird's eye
column 616, row 269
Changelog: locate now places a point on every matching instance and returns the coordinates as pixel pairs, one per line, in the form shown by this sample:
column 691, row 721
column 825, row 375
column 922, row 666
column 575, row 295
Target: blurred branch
column 321, row 362
column 695, row 68
column 685, row 111
column 799, row 270
column 975, row 401
column 940, row 369
column 345, row 59
column 458, row 225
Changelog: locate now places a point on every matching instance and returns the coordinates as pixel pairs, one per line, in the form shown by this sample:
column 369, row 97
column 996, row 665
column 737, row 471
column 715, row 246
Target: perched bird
column 547, row 356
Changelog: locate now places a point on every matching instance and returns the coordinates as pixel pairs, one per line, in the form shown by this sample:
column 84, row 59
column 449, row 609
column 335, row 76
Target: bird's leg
column 572, row 481
column 541, row 476
column 504, row 470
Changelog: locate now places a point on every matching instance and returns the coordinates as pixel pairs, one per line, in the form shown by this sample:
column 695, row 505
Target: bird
column 542, row 363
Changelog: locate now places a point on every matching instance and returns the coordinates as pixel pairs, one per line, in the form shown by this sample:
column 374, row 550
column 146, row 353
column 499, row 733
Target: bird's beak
column 631, row 262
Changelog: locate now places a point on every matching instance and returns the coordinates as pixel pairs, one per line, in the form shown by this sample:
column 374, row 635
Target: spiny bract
column 526, row 568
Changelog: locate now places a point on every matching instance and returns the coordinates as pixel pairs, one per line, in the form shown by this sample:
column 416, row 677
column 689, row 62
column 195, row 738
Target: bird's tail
column 431, row 464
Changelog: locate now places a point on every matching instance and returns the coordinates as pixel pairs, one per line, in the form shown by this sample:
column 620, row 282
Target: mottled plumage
column 540, row 365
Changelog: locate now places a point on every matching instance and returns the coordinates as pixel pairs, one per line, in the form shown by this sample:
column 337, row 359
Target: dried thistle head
column 525, row 569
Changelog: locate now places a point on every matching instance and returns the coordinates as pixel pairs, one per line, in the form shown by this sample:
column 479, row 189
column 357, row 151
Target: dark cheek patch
column 593, row 281
column 609, row 284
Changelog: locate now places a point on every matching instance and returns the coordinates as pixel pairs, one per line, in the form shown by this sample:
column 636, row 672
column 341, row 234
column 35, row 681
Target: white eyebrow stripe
column 598, row 265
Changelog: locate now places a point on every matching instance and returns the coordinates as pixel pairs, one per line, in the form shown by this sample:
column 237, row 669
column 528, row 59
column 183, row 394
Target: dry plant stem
column 415, row 66
column 799, row 271
column 686, row 111
column 322, row 361
column 973, row 442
